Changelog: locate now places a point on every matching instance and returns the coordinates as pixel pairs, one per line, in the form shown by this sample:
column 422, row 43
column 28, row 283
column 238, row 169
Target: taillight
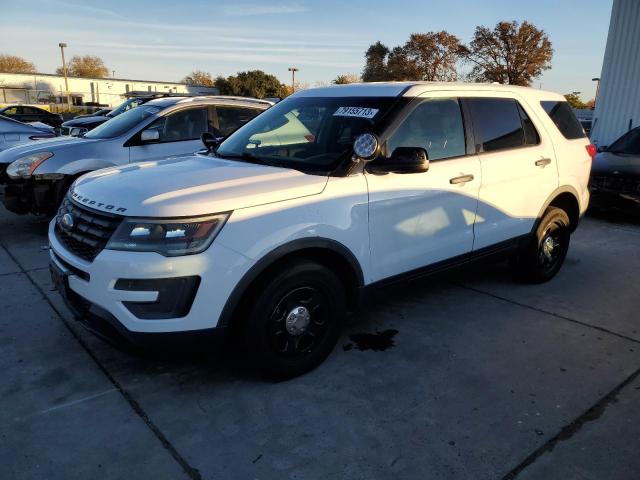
column 591, row 150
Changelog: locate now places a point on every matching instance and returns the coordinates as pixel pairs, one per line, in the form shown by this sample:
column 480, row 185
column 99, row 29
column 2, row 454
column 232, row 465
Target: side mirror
column 210, row 141
column 403, row 160
column 603, row 148
column 77, row 132
column 151, row 135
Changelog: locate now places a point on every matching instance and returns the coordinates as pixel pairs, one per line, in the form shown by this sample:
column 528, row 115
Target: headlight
column 168, row 237
column 24, row 166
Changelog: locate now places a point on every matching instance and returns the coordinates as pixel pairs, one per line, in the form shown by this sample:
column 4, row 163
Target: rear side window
column 531, row 136
column 497, row 123
column 232, row 118
column 562, row 115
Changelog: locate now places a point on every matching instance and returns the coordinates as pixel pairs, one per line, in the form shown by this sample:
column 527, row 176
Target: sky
column 165, row 40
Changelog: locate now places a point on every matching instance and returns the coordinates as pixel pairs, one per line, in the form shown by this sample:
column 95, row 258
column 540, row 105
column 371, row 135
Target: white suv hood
column 189, row 186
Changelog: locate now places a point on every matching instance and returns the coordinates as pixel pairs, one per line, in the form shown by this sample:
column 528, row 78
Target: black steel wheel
column 295, row 319
column 543, row 257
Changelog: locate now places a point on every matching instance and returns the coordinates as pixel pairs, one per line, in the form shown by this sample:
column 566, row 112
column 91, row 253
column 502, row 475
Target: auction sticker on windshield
column 360, row 112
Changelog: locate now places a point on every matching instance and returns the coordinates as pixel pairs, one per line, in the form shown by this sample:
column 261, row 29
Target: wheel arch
column 565, row 197
column 330, row 253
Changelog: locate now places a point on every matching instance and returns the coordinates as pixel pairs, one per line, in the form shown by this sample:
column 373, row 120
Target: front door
column 419, row 219
column 179, row 134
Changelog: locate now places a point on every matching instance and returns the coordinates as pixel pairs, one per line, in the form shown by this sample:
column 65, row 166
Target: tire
column 295, row 320
column 543, row 257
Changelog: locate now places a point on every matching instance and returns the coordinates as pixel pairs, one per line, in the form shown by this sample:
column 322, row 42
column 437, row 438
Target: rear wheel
column 295, row 320
column 543, row 257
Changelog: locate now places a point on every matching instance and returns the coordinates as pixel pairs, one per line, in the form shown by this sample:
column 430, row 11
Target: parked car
column 274, row 240
column 615, row 175
column 29, row 113
column 38, row 175
column 101, row 112
column 83, row 123
column 13, row 132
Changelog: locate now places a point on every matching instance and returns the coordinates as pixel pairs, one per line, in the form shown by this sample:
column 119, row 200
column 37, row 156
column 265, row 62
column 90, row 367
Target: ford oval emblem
column 67, row 221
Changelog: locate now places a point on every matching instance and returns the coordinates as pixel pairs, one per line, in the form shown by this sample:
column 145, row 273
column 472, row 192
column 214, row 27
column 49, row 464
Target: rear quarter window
column 562, row 115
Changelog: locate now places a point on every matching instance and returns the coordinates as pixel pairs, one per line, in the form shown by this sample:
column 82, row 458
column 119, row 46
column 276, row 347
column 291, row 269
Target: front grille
column 616, row 183
column 90, row 232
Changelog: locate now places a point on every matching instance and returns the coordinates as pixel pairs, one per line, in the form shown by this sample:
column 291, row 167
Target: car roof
column 412, row 89
column 210, row 100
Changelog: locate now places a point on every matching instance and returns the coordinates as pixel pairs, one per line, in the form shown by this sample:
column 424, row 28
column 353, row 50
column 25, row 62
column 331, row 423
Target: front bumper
column 91, row 286
column 38, row 196
column 609, row 187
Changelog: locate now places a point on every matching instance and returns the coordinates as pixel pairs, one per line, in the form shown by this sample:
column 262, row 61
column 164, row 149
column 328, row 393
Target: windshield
column 628, row 144
column 122, row 123
column 306, row 133
column 124, row 106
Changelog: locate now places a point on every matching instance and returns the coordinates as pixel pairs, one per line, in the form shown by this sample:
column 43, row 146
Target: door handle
column 461, row 179
column 543, row 162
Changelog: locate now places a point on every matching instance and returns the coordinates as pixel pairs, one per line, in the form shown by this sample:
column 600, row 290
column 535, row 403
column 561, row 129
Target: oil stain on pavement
column 377, row 342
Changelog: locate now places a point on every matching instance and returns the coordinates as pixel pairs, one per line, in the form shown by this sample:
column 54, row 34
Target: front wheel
column 543, row 257
column 295, row 320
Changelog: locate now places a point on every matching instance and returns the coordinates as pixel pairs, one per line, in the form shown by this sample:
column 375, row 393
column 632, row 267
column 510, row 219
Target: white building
column 618, row 102
column 49, row 89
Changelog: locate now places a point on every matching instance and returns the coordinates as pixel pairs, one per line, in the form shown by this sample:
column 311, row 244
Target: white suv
column 331, row 193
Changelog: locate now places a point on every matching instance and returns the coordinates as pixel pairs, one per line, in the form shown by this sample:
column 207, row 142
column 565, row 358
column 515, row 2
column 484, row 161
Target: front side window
column 311, row 134
column 122, row 123
column 435, row 125
column 562, row 115
column 628, row 144
column 10, row 111
column 497, row 123
column 182, row 125
column 227, row 120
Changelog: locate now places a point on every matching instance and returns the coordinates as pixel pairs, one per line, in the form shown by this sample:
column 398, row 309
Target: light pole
column 62, row 46
column 595, row 100
column 113, row 74
column 293, row 71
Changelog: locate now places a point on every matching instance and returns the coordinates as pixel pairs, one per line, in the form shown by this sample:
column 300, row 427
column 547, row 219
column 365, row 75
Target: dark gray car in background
column 615, row 174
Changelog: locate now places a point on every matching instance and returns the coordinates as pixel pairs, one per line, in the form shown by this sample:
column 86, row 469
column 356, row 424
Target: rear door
column 179, row 133
column 519, row 170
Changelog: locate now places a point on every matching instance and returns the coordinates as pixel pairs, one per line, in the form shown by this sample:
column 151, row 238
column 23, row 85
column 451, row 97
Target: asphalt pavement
column 465, row 376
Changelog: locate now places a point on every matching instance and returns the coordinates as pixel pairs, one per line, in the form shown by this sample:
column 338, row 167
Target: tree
column 254, row 83
column 346, row 78
column 375, row 69
column 509, row 54
column 199, row 78
column 431, row 56
column 87, row 66
column 575, row 101
column 591, row 103
column 13, row 64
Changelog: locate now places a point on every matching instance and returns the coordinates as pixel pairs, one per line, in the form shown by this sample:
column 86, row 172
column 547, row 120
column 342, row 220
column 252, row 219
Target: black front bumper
column 31, row 195
column 615, row 184
column 103, row 324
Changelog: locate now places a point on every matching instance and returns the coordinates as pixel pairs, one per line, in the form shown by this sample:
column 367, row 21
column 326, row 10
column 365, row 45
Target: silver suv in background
column 37, row 175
